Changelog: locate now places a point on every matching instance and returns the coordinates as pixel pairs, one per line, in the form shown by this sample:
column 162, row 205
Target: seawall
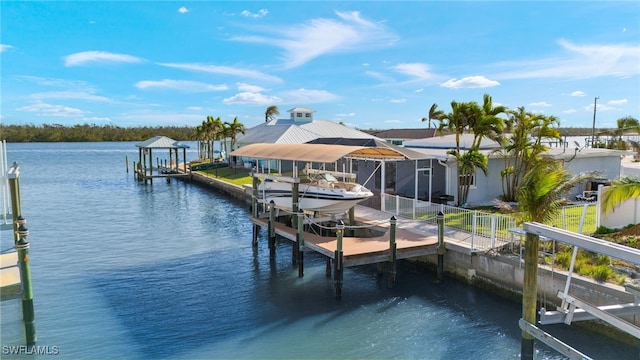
column 502, row 274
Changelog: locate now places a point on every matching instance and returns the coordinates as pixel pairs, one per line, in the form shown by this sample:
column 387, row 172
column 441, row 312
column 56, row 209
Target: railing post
column 397, row 205
column 494, row 219
column 473, row 230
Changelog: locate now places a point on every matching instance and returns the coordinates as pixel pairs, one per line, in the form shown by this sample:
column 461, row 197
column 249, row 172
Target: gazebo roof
column 161, row 142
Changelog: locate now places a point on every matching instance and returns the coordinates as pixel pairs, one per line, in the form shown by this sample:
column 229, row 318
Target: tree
column 540, row 197
column 434, row 114
column 232, row 130
column 528, row 130
column 621, row 190
column 624, row 126
column 271, row 113
column 484, row 122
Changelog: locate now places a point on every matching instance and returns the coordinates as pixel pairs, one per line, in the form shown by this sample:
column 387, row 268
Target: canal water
column 167, row 271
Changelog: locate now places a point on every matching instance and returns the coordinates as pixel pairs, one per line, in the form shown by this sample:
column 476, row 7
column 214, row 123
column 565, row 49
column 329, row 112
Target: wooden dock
column 10, row 285
column 360, row 250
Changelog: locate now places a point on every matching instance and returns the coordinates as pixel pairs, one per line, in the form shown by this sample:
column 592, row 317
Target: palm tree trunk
column 530, row 290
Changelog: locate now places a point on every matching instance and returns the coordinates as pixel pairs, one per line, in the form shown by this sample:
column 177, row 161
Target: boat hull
column 313, row 198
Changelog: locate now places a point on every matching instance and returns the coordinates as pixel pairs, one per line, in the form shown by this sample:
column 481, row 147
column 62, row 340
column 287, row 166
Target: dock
column 392, row 240
column 10, row 285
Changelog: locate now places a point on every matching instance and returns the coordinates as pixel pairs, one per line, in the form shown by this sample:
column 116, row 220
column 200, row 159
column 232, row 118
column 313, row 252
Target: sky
column 368, row 64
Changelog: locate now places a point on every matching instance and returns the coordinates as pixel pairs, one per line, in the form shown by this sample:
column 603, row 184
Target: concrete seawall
column 500, row 273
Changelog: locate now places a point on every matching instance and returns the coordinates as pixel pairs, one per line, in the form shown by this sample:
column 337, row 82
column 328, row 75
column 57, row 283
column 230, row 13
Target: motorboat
column 323, row 194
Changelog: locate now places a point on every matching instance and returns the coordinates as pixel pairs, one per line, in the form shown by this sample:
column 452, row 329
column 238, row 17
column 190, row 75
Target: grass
column 236, row 176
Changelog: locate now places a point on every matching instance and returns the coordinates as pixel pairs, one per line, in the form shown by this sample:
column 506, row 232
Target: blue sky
column 373, row 64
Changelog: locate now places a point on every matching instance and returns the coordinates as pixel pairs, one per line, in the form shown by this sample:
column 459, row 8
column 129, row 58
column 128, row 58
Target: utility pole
column 593, row 128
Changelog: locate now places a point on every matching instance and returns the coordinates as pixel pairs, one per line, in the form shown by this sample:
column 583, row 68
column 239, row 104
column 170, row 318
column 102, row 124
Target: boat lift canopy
column 323, row 153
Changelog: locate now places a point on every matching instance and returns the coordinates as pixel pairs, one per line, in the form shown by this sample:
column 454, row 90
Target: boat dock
column 398, row 239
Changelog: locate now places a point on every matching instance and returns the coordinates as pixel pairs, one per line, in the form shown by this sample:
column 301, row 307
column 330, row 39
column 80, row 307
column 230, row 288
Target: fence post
column 397, row 205
column 494, row 219
column 473, row 229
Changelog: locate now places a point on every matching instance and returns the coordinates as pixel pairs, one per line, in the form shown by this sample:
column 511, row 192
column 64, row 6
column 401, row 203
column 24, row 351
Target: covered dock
column 340, row 250
column 145, row 171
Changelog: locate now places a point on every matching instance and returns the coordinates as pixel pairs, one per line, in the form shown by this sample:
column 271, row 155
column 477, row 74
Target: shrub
column 602, row 230
column 602, row 273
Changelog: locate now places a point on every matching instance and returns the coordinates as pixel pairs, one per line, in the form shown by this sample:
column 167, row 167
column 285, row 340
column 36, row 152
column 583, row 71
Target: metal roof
column 161, row 142
column 286, row 131
column 323, row 153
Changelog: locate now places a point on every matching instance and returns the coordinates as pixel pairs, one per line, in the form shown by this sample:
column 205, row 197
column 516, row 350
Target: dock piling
column 254, row 211
column 28, row 315
column 393, row 252
column 338, row 266
column 300, row 243
column 441, row 249
column 272, row 228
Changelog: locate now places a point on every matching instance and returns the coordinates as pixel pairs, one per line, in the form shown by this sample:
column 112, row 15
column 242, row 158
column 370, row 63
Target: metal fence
column 483, row 230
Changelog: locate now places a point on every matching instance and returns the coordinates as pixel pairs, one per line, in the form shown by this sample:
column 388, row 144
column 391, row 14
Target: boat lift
column 575, row 309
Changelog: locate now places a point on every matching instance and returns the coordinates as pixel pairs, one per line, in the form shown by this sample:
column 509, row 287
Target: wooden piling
column 338, row 260
column 22, row 247
column 392, row 252
column 300, row 242
column 529, row 293
column 254, row 211
column 327, row 269
column 126, row 162
column 272, row 228
column 441, row 248
column 28, row 314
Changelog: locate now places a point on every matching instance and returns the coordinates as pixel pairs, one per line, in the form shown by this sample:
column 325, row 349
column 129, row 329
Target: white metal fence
column 484, row 230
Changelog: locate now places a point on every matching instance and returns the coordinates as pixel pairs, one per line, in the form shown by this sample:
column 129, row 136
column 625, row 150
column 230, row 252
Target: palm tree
column 212, row 128
column 524, row 144
column 621, row 190
column 540, row 197
column 233, row 129
column 271, row 113
column 434, row 114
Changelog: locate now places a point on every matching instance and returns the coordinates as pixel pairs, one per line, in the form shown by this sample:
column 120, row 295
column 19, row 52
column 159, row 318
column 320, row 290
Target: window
column 467, row 179
column 299, row 115
column 307, row 115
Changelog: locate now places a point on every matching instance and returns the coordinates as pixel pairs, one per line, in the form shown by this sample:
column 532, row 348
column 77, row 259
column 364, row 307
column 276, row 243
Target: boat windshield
column 328, row 177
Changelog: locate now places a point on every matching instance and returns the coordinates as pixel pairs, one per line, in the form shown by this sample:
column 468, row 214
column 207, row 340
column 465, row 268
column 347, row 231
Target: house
column 399, row 136
column 485, row 188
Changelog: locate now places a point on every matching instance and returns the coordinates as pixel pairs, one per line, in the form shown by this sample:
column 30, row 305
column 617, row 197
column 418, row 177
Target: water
column 167, row 271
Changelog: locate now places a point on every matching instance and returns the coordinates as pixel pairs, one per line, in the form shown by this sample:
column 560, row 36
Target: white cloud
column 398, row 101
column 419, row 90
column 419, row 71
column 194, row 108
column 95, row 119
column 249, row 88
column 578, row 93
column 393, row 121
column 139, row 117
column 76, row 95
column 225, row 70
column 181, row 85
column 4, row 47
column 617, row 102
column 261, row 13
column 304, row 96
column 578, row 62
column 82, row 58
column 470, row 82
column 345, row 115
column 302, row 43
column 183, row 10
column 252, row 98
column 44, row 109
column 541, row 103
column 379, row 76
column 77, row 85
column 569, row 111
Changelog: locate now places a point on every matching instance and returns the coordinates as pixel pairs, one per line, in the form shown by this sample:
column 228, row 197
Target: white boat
column 324, row 194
